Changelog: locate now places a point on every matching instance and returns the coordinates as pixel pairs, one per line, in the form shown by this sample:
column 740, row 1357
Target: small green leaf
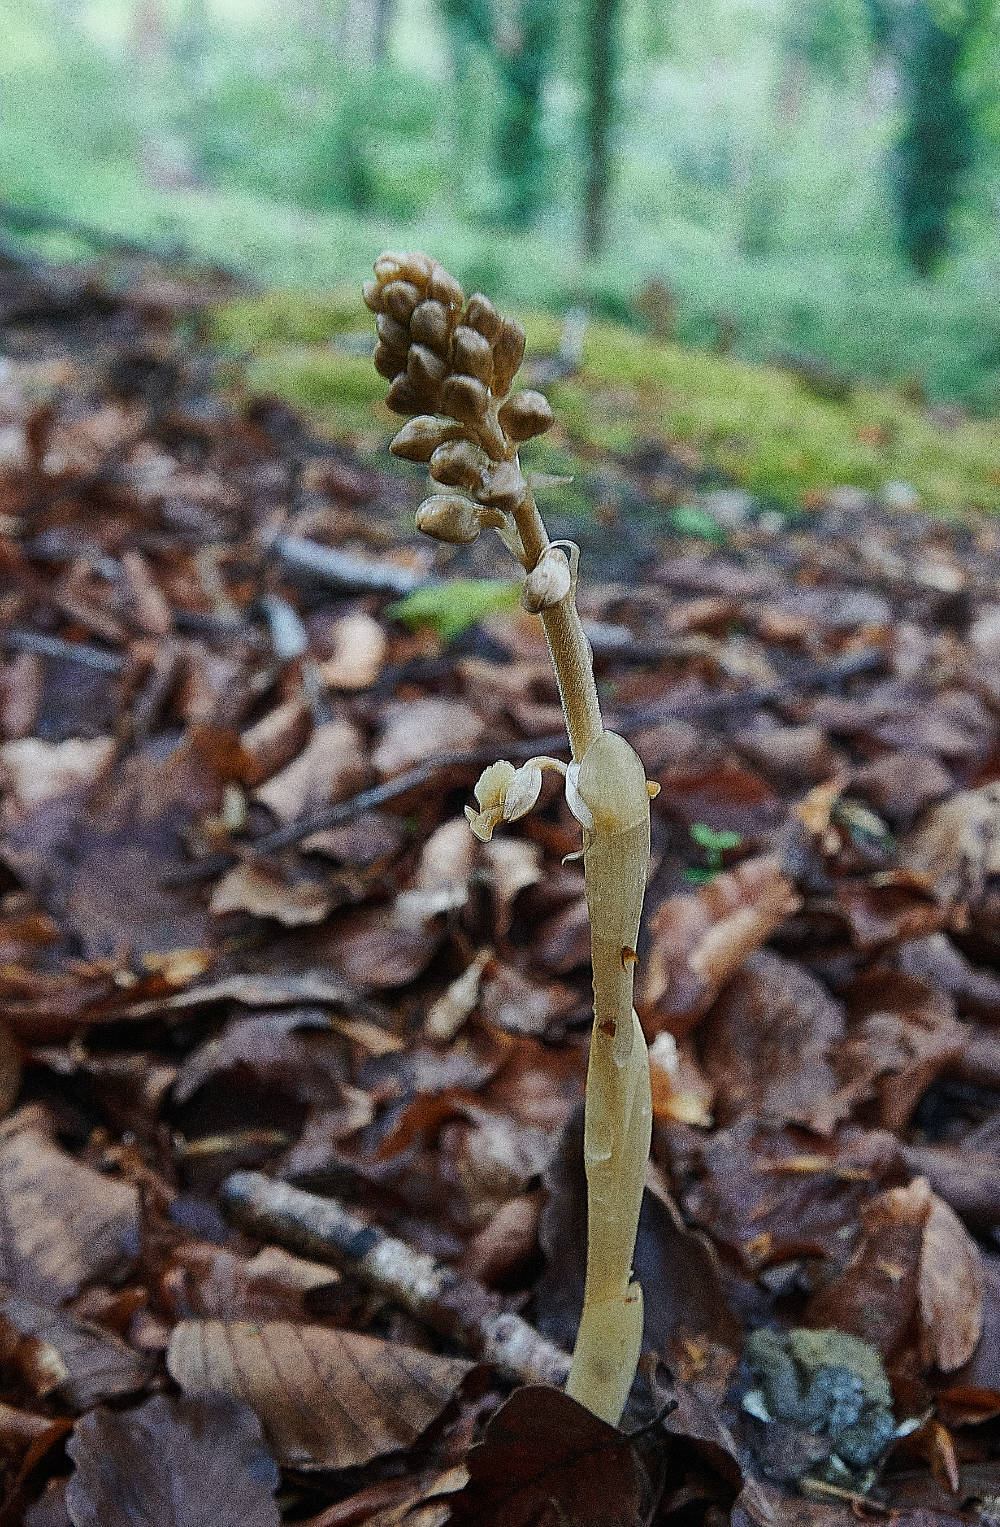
column 715, row 842
column 454, row 605
column 689, row 521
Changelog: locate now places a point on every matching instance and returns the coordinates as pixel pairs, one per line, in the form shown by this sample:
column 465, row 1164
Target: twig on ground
column 323, row 1229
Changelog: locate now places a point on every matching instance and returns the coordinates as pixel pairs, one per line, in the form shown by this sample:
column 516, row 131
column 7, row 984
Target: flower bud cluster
column 445, row 355
column 449, row 362
column 441, row 353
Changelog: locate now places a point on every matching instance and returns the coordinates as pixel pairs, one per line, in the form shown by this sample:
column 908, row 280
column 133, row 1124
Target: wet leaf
column 546, row 1459
column 65, row 1224
column 326, row 1399
column 191, row 1461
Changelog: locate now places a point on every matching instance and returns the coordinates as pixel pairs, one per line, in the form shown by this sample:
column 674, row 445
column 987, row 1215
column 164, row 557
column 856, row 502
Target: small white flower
column 505, row 794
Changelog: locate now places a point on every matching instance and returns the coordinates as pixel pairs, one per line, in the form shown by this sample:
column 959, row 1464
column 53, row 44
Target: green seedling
column 451, row 607
column 688, row 520
column 715, row 845
column 451, row 364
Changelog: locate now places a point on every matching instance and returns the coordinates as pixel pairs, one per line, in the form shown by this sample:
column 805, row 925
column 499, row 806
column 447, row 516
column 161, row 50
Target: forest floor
column 291, row 1066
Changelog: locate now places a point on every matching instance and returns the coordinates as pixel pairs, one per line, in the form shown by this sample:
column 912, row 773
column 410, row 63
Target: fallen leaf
column 91, row 1364
column 902, row 1034
column 65, row 1224
column 957, row 845
column 37, row 771
column 265, row 892
column 699, row 941
column 418, row 729
column 916, row 1259
column 188, row 1460
column 768, row 1043
column 359, row 644
column 294, row 1051
column 273, row 741
column 326, row 1399
column 330, row 767
column 545, row 1458
column 950, row 1290
column 208, row 1283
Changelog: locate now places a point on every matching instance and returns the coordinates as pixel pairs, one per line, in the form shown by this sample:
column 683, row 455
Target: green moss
column 762, row 427
column 287, row 317
column 343, row 394
column 757, row 425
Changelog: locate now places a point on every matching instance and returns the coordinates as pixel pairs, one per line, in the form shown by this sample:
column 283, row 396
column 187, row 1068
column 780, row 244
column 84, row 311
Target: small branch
column 460, row 1308
column 346, row 811
column 54, row 646
column 341, row 570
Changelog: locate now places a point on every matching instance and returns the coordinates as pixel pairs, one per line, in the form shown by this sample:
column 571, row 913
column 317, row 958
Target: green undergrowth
column 759, row 426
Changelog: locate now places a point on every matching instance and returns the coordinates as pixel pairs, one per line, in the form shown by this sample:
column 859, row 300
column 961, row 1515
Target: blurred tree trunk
column 521, row 54
column 600, row 55
column 938, row 145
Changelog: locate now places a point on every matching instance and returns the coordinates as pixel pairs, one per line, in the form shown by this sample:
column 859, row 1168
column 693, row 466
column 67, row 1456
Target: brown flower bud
column 472, row 354
column 482, row 316
column 372, row 293
column 390, row 332
column 449, row 517
column 402, row 398
column 508, row 353
column 425, row 370
column 505, row 487
column 549, row 581
column 464, row 398
column 420, row 438
column 444, row 288
column 429, row 326
column 460, row 464
column 399, row 299
column 416, row 267
column 387, row 266
column 526, row 414
column 389, row 362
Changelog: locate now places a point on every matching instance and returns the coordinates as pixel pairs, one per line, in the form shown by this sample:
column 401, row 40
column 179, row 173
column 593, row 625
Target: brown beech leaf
column 767, row 1044
column 417, row 729
column 258, row 889
column 972, row 1393
column 359, row 643
column 771, row 1194
column 37, row 771
column 699, row 941
column 326, row 1399
column 292, row 1050
column 53, row 1350
column 273, row 741
column 950, row 1290
column 902, row 1033
column 546, row 1460
column 200, row 1462
column 916, row 1261
column 64, row 1224
column 100, row 871
column 330, row 767
column 957, row 845
column 212, row 1284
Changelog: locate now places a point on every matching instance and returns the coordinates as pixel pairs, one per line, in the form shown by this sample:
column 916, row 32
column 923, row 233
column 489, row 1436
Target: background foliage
column 816, row 178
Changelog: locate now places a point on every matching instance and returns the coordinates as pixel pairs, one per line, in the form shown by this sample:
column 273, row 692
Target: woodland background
column 816, row 178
